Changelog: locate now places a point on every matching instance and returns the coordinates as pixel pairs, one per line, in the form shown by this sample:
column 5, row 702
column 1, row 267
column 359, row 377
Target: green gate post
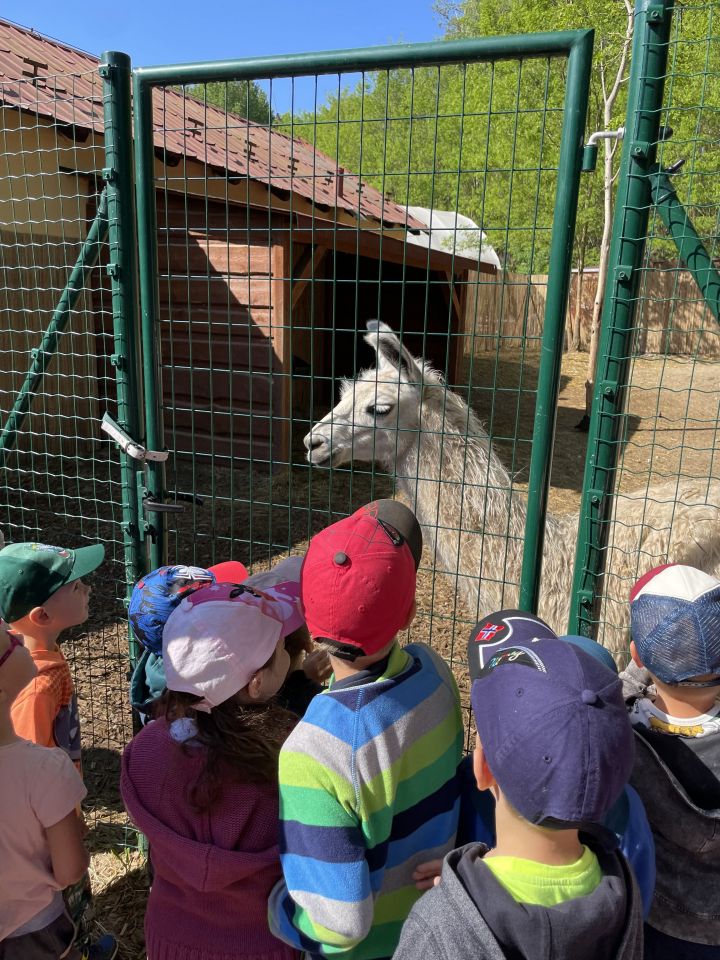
column 563, row 232
column 149, row 301
column 648, row 68
column 115, row 70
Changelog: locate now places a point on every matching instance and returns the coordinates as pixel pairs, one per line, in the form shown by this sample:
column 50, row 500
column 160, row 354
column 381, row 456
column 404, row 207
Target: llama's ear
column 390, row 351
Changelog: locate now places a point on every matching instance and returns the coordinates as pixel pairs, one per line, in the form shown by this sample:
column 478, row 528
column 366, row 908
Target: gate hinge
column 129, row 446
column 108, row 174
column 113, row 270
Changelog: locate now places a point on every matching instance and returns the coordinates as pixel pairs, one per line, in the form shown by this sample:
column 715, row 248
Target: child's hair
column 242, row 742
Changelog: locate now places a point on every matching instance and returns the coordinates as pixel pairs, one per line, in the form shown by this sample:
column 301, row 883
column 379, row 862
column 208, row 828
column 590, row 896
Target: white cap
column 216, row 639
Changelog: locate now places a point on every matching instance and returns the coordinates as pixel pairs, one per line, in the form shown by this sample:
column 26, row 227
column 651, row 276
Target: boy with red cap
column 672, row 689
column 368, row 779
column 555, row 747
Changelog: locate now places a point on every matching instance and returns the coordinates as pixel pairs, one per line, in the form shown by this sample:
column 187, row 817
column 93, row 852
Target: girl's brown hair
column 242, row 742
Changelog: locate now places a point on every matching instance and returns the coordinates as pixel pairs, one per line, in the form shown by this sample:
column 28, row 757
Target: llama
column 402, row 415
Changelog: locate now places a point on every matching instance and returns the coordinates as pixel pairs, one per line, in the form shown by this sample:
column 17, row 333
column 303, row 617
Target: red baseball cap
column 357, row 583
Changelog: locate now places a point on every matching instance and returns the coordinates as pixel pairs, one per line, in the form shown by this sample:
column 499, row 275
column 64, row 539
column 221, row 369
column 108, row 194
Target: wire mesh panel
column 296, row 204
column 666, row 491
column 60, row 483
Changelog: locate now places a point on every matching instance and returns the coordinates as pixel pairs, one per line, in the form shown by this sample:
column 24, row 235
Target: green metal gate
column 266, row 247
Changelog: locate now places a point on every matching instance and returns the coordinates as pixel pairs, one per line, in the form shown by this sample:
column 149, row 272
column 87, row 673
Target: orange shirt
column 46, row 710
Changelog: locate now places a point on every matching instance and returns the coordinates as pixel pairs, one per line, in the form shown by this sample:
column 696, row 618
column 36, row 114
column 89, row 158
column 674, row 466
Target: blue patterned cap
column 156, row 595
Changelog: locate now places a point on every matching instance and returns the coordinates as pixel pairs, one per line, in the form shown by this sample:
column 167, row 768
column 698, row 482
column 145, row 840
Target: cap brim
column 230, row 571
column 87, row 559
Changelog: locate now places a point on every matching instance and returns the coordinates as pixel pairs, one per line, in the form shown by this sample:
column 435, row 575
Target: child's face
column 68, row 606
column 18, row 667
column 273, row 676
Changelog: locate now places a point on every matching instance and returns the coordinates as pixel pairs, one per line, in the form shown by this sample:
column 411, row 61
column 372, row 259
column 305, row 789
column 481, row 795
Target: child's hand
column 427, row 875
column 316, row 666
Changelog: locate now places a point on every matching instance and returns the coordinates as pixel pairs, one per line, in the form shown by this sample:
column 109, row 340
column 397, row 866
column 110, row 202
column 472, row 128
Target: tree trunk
column 610, row 146
column 576, row 319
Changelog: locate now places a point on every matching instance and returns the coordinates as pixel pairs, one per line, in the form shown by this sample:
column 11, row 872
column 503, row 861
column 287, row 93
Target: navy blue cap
column 553, row 726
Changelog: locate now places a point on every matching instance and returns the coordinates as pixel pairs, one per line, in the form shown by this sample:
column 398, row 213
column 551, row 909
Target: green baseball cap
column 30, row 573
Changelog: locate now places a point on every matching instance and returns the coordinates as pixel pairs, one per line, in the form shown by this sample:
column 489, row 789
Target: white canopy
column 452, row 233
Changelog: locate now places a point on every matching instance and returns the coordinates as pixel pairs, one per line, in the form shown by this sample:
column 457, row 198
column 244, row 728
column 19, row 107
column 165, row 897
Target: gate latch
column 590, row 150
column 129, row 446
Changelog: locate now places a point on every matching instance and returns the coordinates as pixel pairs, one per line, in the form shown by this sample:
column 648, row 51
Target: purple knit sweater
column 213, row 871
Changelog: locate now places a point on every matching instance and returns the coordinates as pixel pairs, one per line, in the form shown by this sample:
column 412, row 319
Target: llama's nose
column 312, row 442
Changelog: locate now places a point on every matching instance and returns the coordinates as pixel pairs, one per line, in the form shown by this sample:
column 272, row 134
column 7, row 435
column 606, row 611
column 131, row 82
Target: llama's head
column 377, row 416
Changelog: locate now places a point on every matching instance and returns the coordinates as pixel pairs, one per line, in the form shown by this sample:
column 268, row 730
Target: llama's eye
column 378, row 409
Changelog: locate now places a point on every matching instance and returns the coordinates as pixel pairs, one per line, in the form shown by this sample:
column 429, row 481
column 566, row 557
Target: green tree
column 245, row 98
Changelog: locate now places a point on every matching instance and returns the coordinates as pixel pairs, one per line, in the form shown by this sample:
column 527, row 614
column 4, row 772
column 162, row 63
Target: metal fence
column 60, row 483
column 651, row 491
column 381, row 185
column 277, row 243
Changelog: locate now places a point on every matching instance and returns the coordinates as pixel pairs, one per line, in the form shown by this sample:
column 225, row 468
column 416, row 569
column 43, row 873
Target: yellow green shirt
column 531, row 882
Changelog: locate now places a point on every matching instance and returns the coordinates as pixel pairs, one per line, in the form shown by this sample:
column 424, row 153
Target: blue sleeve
column 629, row 822
column 477, row 809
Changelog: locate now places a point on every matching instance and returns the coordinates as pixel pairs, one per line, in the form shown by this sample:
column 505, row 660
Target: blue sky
column 155, row 32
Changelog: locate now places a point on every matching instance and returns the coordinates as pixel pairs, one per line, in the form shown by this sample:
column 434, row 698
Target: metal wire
column 60, row 482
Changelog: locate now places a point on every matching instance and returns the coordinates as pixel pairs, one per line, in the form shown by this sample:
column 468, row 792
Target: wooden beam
column 453, row 291
column 378, row 245
column 305, row 269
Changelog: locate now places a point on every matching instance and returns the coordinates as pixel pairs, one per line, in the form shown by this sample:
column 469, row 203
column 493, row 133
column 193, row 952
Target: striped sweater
column 368, row 789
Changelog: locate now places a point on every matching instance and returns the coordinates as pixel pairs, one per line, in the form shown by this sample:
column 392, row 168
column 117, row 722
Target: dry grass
column 671, row 430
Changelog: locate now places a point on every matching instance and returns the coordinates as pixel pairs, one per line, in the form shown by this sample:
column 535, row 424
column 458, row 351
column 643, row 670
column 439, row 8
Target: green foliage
column 485, row 139
column 242, row 97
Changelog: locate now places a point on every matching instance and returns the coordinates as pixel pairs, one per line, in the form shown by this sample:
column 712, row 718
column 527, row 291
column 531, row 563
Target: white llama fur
column 402, row 415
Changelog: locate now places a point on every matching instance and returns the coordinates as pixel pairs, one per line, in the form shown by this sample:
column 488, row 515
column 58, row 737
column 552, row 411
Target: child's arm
column 68, row 856
column 325, row 904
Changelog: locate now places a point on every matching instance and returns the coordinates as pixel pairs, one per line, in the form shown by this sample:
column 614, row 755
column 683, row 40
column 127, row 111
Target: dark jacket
column 470, row 916
column 687, row 837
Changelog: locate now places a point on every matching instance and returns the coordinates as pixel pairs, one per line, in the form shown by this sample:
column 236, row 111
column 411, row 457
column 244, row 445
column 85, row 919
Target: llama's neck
column 455, row 481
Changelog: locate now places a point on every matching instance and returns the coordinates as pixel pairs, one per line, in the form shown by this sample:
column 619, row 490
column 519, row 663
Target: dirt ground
column 671, row 429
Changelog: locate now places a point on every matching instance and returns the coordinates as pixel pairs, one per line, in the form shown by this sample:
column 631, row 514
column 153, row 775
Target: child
column 627, row 818
column 41, row 849
column 41, row 595
column 201, row 781
column 156, row 595
column 555, row 748
column 368, row 784
column 672, row 690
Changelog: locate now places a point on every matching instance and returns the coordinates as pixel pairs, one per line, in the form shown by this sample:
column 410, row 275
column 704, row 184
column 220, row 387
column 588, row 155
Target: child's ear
column 254, row 688
column 483, row 775
column 635, row 655
column 38, row 617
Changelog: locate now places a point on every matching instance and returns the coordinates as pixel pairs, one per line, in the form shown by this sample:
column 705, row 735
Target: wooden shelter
column 270, row 255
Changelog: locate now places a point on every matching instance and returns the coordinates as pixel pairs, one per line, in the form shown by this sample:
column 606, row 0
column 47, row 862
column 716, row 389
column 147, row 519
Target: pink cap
column 217, row 638
column 358, row 581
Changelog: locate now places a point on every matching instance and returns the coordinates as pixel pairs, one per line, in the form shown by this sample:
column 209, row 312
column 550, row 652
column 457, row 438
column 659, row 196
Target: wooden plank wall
column 672, row 318
column 225, row 366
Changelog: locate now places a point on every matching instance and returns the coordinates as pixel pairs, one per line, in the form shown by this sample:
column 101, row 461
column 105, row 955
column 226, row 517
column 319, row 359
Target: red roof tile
column 50, row 79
